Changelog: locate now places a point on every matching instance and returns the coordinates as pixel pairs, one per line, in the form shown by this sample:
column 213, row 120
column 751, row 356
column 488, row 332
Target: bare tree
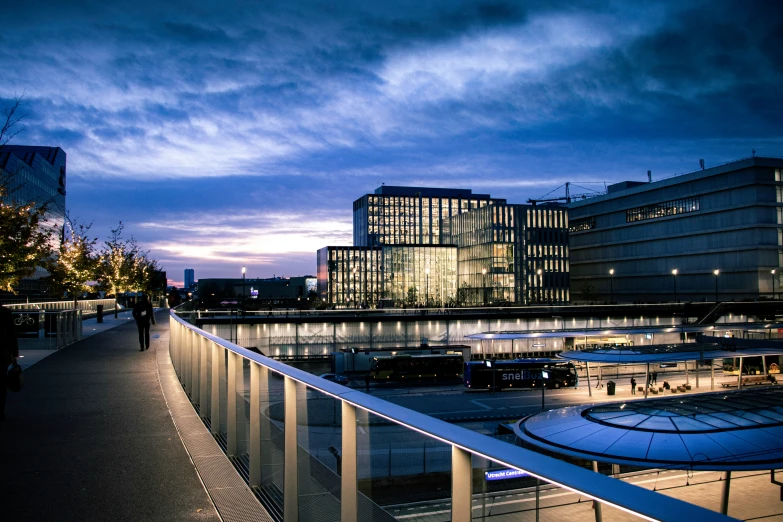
column 12, row 116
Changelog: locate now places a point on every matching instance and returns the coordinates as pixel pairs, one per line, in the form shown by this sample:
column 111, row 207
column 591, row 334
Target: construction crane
column 568, row 196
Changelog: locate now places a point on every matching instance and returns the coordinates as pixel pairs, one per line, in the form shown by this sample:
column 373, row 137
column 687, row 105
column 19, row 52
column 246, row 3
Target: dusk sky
column 228, row 133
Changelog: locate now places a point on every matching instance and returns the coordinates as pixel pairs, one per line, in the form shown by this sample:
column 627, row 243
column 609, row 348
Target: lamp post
column 243, row 284
column 716, row 272
column 773, row 283
column 674, row 278
column 484, row 284
column 611, row 285
column 427, row 287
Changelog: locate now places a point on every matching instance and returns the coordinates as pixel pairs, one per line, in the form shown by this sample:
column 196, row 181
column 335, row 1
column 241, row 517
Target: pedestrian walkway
column 90, row 327
column 97, row 434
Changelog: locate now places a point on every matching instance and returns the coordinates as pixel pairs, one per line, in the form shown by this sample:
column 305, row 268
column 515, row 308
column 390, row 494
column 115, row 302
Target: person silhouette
column 144, row 315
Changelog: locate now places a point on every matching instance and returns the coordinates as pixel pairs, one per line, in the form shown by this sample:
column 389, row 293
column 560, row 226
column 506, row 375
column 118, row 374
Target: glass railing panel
column 400, row 472
column 320, row 455
column 222, row 361
column 272, row 418
column 243, row 411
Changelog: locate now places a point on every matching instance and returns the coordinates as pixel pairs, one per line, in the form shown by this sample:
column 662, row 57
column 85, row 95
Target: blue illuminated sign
column 500, row 474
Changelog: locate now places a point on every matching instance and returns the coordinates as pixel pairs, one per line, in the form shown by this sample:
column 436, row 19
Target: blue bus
column 519, row 373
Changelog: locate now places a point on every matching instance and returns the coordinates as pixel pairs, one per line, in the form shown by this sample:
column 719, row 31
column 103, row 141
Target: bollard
column 100, row 313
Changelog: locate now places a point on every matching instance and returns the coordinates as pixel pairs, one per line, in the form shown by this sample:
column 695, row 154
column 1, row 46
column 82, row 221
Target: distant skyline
column 226, row 134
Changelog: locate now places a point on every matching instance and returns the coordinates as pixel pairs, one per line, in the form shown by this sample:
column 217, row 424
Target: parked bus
column 519, row 373
column 417, row 368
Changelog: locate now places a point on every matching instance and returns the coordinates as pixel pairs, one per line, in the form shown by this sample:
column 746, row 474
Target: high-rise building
column 410, row 215
column 36, row 175
column 511, row 254
column 190, row 279
column 712, row 234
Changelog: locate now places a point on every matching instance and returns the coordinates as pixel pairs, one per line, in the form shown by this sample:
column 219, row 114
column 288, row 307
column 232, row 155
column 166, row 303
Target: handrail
column 88, row 305
column 624, row 496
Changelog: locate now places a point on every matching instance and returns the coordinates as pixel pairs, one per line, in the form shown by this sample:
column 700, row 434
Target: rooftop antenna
column 649, row 176
column 701, row 164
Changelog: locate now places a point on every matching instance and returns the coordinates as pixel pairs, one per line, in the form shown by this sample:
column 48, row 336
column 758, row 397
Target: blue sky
column 225, row 134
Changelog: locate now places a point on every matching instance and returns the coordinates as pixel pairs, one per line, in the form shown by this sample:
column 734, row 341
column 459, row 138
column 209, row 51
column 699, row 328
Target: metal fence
column 378, row 462
column 46, row 329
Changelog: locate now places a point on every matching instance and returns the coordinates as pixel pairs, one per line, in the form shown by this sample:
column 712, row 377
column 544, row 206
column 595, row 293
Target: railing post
column 254, row 444
column 290, row 468
column 597, row 505
column 202, row 377
column 195, row 376
column 349, row 478
column 461, row 485
column 231, row 404
column 173, row 329
column 214, row 416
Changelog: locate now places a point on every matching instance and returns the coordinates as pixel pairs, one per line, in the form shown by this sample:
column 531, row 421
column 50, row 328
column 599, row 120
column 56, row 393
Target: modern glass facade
column 420, row 275
column 410, row 275
column 350, row 276
column 410, row 215
column 36, row 175
column 511, row 254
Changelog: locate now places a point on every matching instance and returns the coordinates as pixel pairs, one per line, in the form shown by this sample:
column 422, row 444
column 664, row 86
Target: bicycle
column 23, row 319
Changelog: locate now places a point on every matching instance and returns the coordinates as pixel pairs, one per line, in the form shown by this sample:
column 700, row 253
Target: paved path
column 90, row 436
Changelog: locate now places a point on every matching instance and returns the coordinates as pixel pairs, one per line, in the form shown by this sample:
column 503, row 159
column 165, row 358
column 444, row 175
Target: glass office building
column 350, row 276
column 511, row 254
column 410, row 215
column 420, row 275
column 404, row 275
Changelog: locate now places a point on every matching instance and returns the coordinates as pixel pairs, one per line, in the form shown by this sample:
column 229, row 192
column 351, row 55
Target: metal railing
column 275, row 422
column 46, row 329
column 87, row 305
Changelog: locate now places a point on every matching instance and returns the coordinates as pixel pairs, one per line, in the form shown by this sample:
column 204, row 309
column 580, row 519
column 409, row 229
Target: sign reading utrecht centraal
column 500, row 474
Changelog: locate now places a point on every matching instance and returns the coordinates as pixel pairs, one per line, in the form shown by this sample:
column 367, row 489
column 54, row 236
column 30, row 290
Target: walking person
column 9, row 351
column 143, row 313
column 633, row 386
column 655, row 377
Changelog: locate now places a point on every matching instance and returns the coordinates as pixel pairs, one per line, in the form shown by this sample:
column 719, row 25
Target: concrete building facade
column 713, row 234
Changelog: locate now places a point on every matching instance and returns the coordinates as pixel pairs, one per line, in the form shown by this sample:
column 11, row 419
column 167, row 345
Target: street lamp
column 716, row 272
column 674, row 278
column 611, row 283
column 773, row 284
column 427, row 288
column 243, row 282
column 484, row 284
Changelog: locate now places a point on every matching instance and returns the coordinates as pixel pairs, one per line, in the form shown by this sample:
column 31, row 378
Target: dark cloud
column 181, row 108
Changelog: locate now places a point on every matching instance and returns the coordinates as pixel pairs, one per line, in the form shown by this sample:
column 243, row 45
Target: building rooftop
column 726, row 431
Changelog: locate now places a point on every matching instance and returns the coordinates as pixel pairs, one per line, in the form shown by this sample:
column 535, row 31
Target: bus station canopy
column 637, row 330
column 725, row 431
column 664, row 353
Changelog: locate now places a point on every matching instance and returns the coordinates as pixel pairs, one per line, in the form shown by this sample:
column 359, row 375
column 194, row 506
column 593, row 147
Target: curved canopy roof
column 655, row 353
column 727, row 431
column 634, row 330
